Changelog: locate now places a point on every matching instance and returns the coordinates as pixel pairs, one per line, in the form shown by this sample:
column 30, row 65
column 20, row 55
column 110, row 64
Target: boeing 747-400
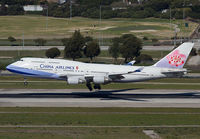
column 77, row 72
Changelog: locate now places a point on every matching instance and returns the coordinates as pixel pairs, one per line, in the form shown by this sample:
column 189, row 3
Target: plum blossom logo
column 176, row 59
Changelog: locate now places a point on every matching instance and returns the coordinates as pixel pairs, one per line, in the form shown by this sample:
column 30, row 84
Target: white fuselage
column 77, row 72
column 58, row 68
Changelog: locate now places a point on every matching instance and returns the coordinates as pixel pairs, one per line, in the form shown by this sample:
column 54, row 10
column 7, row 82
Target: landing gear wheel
column 97, row 86
column 89, row 86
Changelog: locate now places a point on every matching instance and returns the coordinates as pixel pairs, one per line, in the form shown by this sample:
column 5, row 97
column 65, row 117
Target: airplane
column 75, row 72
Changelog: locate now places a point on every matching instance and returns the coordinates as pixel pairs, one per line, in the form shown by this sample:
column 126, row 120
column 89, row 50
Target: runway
column 105, row 98
column 103, row 48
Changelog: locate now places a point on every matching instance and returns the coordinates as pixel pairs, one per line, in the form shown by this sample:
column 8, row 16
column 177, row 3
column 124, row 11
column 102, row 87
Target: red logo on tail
column 176, row 59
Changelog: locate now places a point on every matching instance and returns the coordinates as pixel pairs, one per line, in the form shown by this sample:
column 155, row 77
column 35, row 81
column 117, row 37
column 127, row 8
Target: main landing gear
column 96, row 86
column 89, row 86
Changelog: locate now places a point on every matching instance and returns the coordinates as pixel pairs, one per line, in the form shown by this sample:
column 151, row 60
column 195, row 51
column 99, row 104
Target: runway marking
column 152, row 134
column 78, row 126
column 136, row 113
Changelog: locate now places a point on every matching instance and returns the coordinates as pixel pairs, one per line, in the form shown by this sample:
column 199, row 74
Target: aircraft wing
column 120, row 75
column 113, row 76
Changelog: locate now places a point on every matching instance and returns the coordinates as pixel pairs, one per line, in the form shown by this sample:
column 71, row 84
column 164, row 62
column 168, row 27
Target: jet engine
column 100, row 79
column 74, row 80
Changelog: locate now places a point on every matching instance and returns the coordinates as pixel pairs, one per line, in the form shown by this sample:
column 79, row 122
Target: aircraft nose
column 9, row 67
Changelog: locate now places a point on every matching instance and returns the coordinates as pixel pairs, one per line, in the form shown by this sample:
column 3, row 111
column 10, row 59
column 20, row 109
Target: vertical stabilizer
column 177, row 58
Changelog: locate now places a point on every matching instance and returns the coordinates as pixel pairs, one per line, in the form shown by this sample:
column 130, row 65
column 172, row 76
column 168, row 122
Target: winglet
column 131, row 63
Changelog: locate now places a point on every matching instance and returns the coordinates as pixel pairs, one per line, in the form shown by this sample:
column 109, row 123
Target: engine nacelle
column 74, row 80
column 100, row 79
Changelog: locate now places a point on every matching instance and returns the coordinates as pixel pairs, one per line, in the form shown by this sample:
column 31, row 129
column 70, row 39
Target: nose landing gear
column 25, row 82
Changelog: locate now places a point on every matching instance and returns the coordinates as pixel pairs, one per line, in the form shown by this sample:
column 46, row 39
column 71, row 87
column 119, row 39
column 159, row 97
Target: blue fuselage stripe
column 31, row 72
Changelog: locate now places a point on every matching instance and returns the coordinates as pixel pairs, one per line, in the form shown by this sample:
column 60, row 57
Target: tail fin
column 177, row 58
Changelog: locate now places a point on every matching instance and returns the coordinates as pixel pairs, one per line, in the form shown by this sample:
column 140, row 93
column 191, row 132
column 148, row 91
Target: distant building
column 164, row 11
column 52, row 1
column 119, row 5
column 127, row 2
column 5, row 5
column 33, row 8
column 119, row 8
column 141, row 1
column 58, row 1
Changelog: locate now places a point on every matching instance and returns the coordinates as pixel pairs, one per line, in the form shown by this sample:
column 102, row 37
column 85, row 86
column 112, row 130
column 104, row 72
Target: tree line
column 91, row 8
column 147, row 8
column 127, row 46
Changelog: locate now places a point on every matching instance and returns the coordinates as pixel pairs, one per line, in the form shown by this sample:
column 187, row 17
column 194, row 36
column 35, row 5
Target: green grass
column 97, row 133
column 124, row 29
column 30, row 42
column 165, row 80
column 99, row 110
column 63, row 85
column 35, row 27
column 178, row 133
column 98, row 117
column 71, row 133
column 155, row 54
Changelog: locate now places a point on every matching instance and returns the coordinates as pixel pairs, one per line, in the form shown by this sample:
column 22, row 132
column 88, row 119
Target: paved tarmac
column 151, row 48
column 15, row 48
column 82, row 126
column 31, row 48
column 105, row 98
